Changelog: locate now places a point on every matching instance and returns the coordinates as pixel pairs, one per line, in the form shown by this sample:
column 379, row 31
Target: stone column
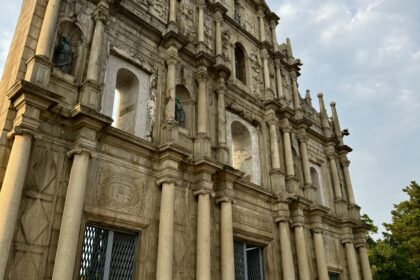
column 290, row 169
column 218, row 18
column 68, row 240
column 274, row 35
column 11, row 193
column 296, row 98
column 202, row 101
column 364, row 261
column 288, row 267
column 302, row 252
column 166, row 232
column 351, row 260
column 275, row 154
column 203, row 271
column 48, row 29
column 171, row 60
column 334, row 173
column 346, row 163
column 201, row 4
column 226, row 232
column 172, row 11
column 279, row 79
column 267, row 81
column 303, row 140
column 261, row 15
column 321, row 259
column 94, row 65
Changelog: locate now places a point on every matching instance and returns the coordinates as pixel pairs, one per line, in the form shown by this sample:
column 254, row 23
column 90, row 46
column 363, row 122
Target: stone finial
column 323, row 114
column 336, row 123
column 289, row 47
column 308, row 98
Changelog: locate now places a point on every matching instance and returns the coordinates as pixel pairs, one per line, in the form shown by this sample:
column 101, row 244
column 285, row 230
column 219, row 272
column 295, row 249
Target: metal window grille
column 107, row 254
column 334, row 276
column 248, row 262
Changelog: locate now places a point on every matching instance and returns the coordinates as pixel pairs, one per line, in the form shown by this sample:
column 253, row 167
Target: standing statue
column 179, row 112
column 63, row 55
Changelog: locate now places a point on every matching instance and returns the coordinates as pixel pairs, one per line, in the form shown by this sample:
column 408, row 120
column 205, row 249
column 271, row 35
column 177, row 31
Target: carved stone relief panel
column 331, row 249
column 117, row 188
column 256, row 74
column 185, row 18
column 267, row 31
column 227, row 45
column 246, row 219
column 250, row 22
column 159, row 8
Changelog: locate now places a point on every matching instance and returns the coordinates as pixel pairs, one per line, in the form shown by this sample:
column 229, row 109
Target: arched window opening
column 240, row 63
column 125, row 101
column 241, row 148
column 316, row 185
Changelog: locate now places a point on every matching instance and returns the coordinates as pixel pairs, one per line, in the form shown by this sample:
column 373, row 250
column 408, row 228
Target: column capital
column 273, row 24
column 261, row 13
column 202, row 74
column 218, row 17
column 272, row 120
column 317, row 230
column 293, row 75
column 277, row 63
column 201, row 4
column 204, row 191
column 302, row 137
column 286, row 129
column 101, row 12
column 79, row 150
column 282, row 219
column 221, row 86
column 22, row 130
column 172, row 56
column 361, row 242
column 298, row 221
column 347, row 239
column 265, row 54
column 225, row 196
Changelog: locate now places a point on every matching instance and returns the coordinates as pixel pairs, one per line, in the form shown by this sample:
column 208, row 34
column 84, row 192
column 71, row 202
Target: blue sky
column 365, row 55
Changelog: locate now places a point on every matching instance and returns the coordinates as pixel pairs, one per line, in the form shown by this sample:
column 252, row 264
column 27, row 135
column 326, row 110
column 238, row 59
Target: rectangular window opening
column 107, row 254
column 248, row 261
column 334, row 275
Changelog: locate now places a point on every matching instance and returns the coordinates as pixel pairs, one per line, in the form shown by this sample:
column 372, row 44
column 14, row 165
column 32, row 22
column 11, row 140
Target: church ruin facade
column 168, row 139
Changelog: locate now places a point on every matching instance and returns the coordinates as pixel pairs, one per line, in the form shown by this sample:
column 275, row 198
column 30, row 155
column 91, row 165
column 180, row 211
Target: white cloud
column 365, row 55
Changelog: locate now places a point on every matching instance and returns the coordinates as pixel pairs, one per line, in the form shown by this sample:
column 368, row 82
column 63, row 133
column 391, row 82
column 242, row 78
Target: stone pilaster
column 351, row 259
column 65, row 258
column 321, row 259
column 90, row 94
column 345, row 163
column 203, row 271
column 222, row 149
column 290, row 169
column 288, row 267
column 172, row 12
column 28, row 101
column 279, row 80
column 364, row 259
column 202, row 145
column 273, row 25
column 267, row 81
column 201, row 4
column 261, row 16
column 301, row 246
column 39, row 67
column 218, row 19
column 303, row 143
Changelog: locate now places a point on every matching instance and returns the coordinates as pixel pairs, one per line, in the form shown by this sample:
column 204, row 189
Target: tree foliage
column 397, row 254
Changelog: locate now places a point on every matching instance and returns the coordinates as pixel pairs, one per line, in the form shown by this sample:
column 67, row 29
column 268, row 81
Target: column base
column 222, row 154
column 341, row 208
column 170, row 132
column 292, row 185
column 278, row 182
column 202, row 146
column 90, row 95
column 354, row 212
column 38, row 71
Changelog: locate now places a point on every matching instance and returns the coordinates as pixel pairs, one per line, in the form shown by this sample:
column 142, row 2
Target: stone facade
column 180, row 123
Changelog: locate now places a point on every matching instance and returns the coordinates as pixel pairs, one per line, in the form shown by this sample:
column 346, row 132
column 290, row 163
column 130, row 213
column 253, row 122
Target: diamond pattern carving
column 34, row 222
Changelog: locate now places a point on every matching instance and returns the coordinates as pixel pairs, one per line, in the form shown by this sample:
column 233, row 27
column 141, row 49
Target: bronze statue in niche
column 63, row 55
column 179, row 112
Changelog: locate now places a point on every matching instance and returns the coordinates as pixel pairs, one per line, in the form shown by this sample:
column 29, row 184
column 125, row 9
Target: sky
column 365, row 56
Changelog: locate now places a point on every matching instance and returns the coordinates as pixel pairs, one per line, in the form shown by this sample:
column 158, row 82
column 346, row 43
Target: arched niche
column 125, row 99
column 242, row 139
column 126, row 95
column 240, row 62
column 317, row 185
column 187, row 104
column 69, row 50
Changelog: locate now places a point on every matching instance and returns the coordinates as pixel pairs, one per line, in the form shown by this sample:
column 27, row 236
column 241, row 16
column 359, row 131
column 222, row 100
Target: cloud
column 365, row 55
